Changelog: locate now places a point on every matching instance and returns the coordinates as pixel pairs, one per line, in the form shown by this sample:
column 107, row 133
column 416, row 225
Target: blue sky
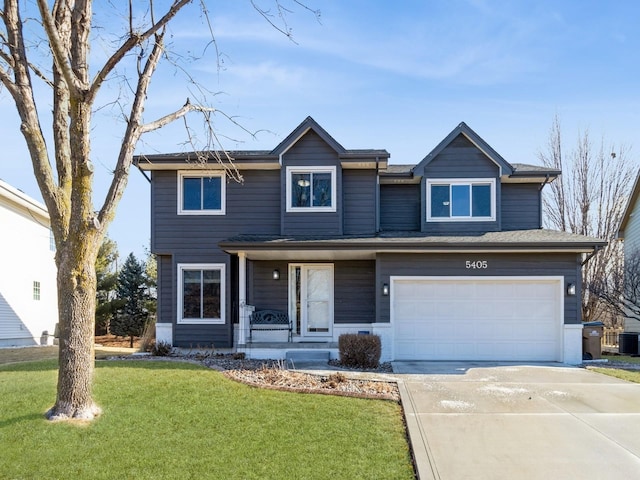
column 379, row 74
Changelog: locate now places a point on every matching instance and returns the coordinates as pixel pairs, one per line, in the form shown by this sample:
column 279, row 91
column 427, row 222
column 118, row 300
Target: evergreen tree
column 106, row 278
column 132, row 293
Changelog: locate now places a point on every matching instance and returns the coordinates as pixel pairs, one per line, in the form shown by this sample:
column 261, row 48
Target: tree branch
column 133, row 40
column 132, row 134
column 58, row 50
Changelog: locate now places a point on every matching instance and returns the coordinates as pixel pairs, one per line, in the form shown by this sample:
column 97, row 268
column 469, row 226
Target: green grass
column 628, row 375
column 622, row 358
column 174, row 420
column 29, row 354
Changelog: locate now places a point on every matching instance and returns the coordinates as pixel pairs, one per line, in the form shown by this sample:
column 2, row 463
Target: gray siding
column 311, row 150
column 460, row 159
column 190, row 335
column 400, row 207
column 251, row 207
column 354, row 289
column 359, row 200
column 520, row 206
column 355, row 292
column 166, row 298
column 500, row 264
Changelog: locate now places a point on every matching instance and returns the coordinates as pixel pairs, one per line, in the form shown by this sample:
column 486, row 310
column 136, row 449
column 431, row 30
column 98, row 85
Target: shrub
column 162, row 349
column 362, row 351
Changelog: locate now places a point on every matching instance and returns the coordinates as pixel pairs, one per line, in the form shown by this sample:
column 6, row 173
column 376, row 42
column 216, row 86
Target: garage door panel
column 477, row 319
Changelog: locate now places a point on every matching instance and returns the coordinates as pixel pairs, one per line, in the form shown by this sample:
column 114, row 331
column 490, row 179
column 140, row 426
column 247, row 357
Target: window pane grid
column 310, row 189
column 202, row 194
column 201, row 294
column 461, row 200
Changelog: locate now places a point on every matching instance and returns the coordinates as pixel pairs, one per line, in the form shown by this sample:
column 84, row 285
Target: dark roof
column 266, row 155
column 540, row 239
column 537, row 170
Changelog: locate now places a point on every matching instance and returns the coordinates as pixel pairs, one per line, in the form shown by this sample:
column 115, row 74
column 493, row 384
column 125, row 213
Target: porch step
column 296, row 358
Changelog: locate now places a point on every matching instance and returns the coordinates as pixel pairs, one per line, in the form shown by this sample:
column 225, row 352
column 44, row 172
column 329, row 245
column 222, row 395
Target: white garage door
column 491, row 318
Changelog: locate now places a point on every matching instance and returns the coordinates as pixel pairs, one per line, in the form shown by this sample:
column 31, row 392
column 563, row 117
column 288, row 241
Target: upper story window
column 461, row 200
column 201, row 194
column 36, row 290
column 311, row 189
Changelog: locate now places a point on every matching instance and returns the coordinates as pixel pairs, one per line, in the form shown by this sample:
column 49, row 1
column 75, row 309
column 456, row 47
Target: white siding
column 25, row 258
column 631, row 246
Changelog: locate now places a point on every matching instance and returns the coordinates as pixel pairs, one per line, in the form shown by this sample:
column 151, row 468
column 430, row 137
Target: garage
column 477, row 318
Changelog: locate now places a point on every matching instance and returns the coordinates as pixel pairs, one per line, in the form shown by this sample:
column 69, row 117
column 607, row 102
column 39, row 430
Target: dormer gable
column 348, row 158
column 300, row 131
column 504, row 167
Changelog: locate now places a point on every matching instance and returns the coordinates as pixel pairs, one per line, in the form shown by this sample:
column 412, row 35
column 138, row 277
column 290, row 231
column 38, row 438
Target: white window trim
column 334, row 194
column 202, row 266
column 200, row 174
column 462, row 181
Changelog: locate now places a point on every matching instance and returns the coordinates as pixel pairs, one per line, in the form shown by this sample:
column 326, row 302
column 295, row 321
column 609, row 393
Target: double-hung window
column 461, row 200
column 201, row 293
column 200, row 194
column 311, row 189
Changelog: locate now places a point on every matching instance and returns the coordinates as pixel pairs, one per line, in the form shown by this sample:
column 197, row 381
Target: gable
column 310, row 150
column 454, row 140
column 461, row 159
column 308, row 125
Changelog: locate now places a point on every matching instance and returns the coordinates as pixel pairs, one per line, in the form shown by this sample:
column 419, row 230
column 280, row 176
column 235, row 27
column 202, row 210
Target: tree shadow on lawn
column 149, row 364
column 23, row 418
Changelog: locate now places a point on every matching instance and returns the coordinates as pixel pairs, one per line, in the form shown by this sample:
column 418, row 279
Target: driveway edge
column 425, row 466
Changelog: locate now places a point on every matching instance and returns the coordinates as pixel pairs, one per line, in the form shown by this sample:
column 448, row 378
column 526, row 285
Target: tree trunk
column 131, row 341
column 76, row 303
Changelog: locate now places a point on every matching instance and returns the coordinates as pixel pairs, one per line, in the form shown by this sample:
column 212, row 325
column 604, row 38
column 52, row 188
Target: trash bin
column 592, row 340
column 628, row 343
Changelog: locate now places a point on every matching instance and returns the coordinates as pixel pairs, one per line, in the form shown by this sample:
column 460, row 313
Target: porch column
column 242, row 297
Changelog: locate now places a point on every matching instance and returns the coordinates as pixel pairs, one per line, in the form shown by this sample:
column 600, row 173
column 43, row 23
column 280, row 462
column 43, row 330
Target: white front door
column 311, row 299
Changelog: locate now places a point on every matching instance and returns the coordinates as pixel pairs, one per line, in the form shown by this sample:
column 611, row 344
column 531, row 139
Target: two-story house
column 444, row 259
column 28, row 291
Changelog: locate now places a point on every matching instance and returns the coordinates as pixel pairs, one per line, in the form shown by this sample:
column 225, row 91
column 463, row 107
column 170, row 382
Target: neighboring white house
column 630, row 232
column 28, row 295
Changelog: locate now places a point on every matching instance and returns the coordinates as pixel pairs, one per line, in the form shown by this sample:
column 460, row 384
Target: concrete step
column 298, row 357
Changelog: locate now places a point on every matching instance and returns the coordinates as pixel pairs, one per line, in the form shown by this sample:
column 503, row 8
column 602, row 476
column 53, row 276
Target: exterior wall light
column 276, row 274
column 571, row 289
column 385, row 289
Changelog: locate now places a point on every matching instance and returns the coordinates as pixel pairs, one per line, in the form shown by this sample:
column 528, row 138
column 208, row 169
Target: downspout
column 377, row 206
column 142, row 172
column 596, row 249
column 546, row 181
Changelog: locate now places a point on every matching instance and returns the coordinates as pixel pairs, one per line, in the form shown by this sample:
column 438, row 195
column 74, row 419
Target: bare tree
column 619, row 288
column 49, row 46
column 589, row 199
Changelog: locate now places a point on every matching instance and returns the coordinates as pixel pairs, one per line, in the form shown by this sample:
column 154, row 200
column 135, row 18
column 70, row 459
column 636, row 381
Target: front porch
column 291, row 351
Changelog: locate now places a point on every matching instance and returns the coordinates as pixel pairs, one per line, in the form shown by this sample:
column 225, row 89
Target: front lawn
column 628, row 375
column 176, row 420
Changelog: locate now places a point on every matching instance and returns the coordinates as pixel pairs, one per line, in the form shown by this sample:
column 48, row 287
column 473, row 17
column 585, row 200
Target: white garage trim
column 420, row 319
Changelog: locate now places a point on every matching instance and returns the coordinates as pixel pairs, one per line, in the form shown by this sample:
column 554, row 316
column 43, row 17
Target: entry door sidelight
column 311, row 299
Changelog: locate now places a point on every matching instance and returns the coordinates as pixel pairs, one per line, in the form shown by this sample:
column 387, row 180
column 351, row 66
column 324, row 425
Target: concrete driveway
column 511, row 421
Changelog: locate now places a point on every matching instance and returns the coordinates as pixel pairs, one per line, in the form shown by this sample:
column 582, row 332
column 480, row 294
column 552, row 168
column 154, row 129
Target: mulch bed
column 273, row 374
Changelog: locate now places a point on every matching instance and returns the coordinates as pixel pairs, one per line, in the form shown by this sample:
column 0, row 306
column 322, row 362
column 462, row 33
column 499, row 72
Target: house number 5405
column 478, row 264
